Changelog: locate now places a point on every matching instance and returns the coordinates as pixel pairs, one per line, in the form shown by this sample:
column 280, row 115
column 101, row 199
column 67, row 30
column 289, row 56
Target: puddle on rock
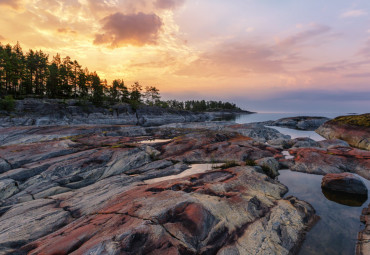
column 287, row 155
column 194, row 169
column 151, row 141
column 336, row 231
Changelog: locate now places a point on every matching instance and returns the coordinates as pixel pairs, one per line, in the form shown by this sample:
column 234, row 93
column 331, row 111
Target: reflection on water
column 194, row 169
column 345, row 198
column 336, row 231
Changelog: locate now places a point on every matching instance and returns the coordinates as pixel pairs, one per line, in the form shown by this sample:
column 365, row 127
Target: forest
column 34, row 74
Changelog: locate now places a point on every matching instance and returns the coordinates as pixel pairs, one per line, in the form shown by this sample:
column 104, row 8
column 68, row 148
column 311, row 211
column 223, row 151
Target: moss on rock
column 354, row 120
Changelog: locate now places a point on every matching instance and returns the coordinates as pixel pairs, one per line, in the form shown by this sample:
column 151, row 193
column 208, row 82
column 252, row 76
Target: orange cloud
column 232, row 58
column 12, row 3
column 133, row 29
column 168, row 4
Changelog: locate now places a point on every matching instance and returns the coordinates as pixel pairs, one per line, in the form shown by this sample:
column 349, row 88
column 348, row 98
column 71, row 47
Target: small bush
column 250, row 162
column 229, row 165
column 267, row 170
column 7, row 104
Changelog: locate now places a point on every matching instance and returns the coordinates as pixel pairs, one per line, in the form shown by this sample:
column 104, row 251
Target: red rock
column 353, row 129
column 335, row 160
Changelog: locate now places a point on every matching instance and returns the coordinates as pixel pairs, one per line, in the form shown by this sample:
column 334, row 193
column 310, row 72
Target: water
column 295, row 133
column 336, row 231
column 194, row 169
column 260, row 117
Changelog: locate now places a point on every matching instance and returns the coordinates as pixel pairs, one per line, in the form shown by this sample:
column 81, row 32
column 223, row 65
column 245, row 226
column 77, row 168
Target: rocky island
column 125, row 186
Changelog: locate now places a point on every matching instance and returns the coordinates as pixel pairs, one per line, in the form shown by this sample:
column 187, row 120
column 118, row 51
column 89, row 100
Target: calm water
column 336, row 231
column 259, row 117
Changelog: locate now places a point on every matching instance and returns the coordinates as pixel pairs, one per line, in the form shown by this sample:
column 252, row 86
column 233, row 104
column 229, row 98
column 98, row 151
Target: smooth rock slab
column 8, row 188
column 344, row 182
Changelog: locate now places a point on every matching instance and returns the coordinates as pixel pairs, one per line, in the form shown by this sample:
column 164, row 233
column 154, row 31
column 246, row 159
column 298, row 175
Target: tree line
column 34, row 74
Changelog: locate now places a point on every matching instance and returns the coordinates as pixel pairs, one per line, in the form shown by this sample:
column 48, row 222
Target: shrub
column 250, row 162
column 267, row 170
column 229, row 165
column 7, row 104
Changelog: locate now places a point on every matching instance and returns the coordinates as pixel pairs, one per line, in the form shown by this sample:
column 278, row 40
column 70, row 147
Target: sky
column 264, row 55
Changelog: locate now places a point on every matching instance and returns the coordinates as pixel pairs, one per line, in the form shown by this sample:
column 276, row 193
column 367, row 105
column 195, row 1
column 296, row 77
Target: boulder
column 344, row 182
column 334, row 160
column 354, row 129
column 301, row 122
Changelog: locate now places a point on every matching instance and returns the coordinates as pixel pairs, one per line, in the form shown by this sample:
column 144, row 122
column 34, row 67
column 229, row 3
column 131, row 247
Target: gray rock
column 329, row 144
column 8, row 188
column 301, row 122
column 304, row 142
column 28, row 221
column 270, row 164
column 4, row 166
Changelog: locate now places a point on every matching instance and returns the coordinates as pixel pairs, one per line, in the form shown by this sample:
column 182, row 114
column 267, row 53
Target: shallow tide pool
column 336, row 231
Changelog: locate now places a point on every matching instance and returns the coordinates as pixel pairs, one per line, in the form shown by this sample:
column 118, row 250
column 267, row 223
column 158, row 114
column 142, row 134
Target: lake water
column 260, row 117
column 336, row 231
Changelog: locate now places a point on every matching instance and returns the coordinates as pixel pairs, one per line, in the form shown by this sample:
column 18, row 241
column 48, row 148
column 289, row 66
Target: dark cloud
column 133, row 29
column 168, row 4
column 12, row 3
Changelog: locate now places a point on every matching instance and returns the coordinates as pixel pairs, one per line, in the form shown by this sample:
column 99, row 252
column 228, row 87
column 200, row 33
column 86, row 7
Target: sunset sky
column 264, row 55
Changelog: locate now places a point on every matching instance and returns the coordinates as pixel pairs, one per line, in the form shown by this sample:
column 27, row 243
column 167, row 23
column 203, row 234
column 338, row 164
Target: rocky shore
column 37, row 112
column 308, row 123
column 93, row 189
column 355, row 129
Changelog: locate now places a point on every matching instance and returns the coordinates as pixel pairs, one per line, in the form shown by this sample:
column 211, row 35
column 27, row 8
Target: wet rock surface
column 344, row 182
column 354, row 129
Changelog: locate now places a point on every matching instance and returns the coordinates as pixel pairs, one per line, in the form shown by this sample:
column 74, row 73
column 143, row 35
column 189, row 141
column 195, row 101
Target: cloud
column 230, row 58
column 168, row 4
column 339, row 66
column 365, row 50
column 358, row 75
column 353, row 14
column 132, row 29
column 2, row 37
column 305, row 36
column 64, row 30
column 12, row 3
